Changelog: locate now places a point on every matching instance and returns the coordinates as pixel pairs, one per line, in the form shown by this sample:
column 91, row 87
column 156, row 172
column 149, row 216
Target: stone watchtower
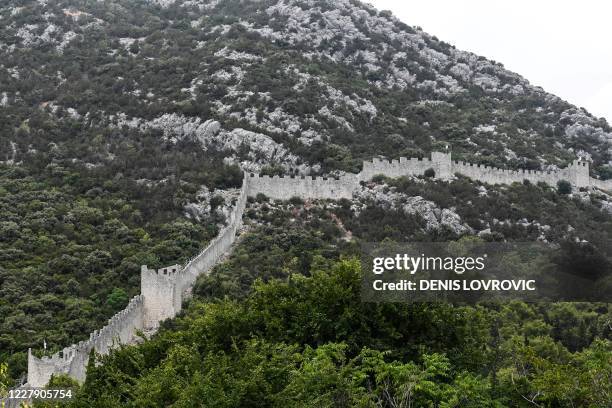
column 442, row 164
column 579, row 173
column 158, row 291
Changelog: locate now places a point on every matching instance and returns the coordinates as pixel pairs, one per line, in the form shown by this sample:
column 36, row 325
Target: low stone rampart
column 577, row 173
column 283, row 188
column 72, row 360
column 395, row 168
column 605, row 185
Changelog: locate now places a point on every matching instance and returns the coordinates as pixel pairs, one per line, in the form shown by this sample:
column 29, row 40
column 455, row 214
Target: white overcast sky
column 563, row 46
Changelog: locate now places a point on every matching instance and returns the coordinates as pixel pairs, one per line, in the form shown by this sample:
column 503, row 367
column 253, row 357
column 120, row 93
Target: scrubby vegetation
column 519, row 212
column 310, row 341
column 72, row 238
column 330, row 98
column 281, row 323
column 116, row 115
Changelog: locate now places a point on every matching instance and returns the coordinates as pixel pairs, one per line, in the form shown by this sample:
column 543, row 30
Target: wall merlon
column 169, row 270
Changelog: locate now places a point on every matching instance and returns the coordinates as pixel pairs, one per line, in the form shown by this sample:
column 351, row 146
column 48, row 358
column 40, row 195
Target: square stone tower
column 579, row 173
column 442, row 164
column 158, row 291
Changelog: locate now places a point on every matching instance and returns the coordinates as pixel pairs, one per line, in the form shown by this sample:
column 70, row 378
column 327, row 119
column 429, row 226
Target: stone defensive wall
column 213, row 252
column 163, row 290
column 577, row 173
column 162, row 295
column 283, row 188
column 72, row 360
column 492, row 175
column 439, row 162
column 602, row 184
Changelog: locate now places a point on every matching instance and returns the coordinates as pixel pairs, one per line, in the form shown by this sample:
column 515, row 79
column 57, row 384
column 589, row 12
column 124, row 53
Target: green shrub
column 216, row 202
column 261, row 198
column 295, row 200
column 379, row 178
column 564, row 187
column 605, row 172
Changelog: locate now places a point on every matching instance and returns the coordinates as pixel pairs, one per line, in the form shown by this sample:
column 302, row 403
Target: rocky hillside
column 304, row 86
column 125, row 124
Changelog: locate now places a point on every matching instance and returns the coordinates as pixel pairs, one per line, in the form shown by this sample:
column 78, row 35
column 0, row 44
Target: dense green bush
column 72, row 238
column 564, row 187
column 310, row 341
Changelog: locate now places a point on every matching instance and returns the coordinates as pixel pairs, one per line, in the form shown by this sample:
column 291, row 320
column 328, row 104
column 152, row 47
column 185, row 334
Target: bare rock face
column 209, row 129
column 426, row 209
column 452, row 220
column 607, row 205
column 202, row 208
column 262, row 146
column 434, row 216
column 583, row 125
column 484, row 232
column 252, row 150
column 260, row 150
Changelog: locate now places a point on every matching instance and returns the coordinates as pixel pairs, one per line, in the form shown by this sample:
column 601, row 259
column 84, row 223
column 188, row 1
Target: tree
column 117, row 299
column 5, row 379
column 564, row 187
